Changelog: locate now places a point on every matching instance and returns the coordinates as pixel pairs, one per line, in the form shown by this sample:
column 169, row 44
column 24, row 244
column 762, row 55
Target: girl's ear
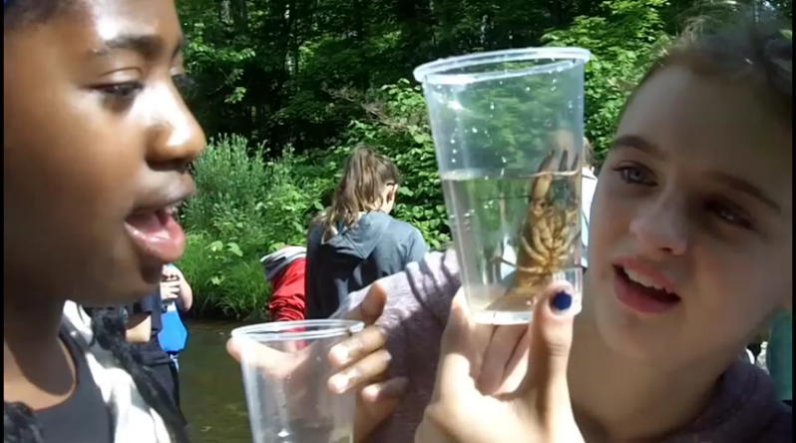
column 388, row 195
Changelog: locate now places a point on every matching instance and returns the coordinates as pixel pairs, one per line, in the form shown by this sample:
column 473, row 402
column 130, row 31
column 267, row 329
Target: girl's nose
column 662, row 228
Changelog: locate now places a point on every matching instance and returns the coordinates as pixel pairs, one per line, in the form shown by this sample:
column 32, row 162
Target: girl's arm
column 427, row 285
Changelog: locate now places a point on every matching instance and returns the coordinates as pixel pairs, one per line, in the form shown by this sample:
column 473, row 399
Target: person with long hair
column 355, row 241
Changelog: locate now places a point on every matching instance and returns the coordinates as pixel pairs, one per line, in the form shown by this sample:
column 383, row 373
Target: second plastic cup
column 285, row 369
column 508, row 133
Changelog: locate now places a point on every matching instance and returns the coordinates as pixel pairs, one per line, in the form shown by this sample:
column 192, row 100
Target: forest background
column 285, row 89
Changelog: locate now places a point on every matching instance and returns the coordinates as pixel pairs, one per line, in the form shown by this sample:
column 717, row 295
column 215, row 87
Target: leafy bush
column 397, row 126
column 245, row 209
column 225, row 283
column 231, row 185
column 624, row 39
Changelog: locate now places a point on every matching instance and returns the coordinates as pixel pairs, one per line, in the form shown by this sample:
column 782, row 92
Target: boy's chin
column 119, row 292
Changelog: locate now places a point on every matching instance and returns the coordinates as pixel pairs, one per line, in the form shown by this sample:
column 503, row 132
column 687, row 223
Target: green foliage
column 245, row 208
column 269, row 69
column 624, row 40
column 396, row 125
column 312, row 79
column 231, row 186
column 224, row 281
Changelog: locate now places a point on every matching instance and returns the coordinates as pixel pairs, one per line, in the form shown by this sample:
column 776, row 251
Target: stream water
column 211, row 387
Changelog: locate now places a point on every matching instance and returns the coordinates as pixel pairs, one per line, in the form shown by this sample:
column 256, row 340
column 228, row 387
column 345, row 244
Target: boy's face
column 96, row 144
column 695, row 198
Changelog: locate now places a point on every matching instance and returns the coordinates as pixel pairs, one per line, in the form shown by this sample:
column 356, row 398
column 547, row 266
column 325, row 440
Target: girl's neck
column 619, row 399
column 29, row 319
column 36, row 366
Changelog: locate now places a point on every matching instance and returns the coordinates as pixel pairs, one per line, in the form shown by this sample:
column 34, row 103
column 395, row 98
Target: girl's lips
column 157, row 234
column 640, row 298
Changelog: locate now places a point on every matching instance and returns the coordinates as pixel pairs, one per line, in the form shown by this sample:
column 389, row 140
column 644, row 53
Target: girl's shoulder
column 58, row 422
column 744, row 407
column 131, row 415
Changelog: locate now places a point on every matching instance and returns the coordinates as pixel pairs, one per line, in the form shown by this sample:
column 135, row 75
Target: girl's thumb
column 551, row 341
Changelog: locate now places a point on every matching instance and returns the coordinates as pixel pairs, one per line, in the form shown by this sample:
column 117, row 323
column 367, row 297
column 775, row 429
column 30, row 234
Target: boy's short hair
column 18, row 13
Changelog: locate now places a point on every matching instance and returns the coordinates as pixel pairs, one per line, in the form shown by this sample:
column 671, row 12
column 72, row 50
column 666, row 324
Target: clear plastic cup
column 285, row 369
column 508, row 133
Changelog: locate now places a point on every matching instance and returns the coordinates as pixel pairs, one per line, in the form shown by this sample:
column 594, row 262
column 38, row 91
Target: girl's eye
column 635, row 175
column 121, row 91
column 729, row 215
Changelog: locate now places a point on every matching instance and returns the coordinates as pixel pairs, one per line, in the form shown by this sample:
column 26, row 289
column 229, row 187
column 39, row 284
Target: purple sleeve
column 426, row 286
column 418, row 302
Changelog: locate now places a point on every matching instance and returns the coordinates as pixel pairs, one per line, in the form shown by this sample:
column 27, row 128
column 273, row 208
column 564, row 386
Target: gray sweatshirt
column 378, row 245
column 744, row 407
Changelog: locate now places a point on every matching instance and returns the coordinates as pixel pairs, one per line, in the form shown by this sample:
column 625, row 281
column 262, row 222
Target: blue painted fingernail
column 561, row 302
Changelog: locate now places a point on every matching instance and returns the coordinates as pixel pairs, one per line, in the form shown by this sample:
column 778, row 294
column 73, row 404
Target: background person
column 356, row 241
column 285, row 271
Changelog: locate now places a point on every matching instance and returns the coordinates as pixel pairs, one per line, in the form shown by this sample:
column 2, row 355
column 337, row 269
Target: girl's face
column 96, row 143
column 690, row 242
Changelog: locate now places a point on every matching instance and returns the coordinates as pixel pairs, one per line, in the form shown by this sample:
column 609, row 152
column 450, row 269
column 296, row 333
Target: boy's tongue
column 150, row 223
column 158, row 235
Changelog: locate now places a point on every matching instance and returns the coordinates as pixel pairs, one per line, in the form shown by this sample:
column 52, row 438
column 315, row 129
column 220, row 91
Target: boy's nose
column 177, row 139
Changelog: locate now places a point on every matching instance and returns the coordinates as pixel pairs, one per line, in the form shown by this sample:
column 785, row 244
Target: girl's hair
column 108, row 326
column 757, row 54
column 360, row 190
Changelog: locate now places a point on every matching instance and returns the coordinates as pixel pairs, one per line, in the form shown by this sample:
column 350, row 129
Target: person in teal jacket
column 779, row 358
column 356, row 241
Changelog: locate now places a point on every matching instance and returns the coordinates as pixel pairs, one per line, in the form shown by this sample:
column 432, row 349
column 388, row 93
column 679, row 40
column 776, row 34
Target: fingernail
column 339, row 382
column 561, row 302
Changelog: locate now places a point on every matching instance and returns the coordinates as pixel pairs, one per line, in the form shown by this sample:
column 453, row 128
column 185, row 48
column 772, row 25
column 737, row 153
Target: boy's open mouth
column 157, row 234
column 641, row 293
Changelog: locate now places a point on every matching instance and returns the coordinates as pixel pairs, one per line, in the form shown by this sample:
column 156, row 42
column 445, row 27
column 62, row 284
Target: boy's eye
column 121, row 91
column 635, row 175
column 729, row 215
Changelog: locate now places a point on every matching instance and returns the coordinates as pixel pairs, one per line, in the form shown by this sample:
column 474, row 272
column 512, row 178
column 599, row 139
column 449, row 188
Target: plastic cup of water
column 508, row 134
column 285, row 368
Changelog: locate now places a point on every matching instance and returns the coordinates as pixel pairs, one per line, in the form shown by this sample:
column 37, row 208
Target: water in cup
column 309, row 432
column 517, row 242
column 286, row 368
